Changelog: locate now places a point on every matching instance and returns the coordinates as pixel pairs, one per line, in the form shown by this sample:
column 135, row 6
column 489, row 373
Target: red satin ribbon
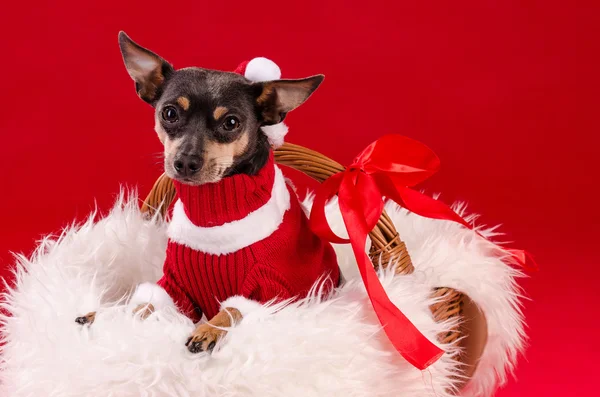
column 386, row 168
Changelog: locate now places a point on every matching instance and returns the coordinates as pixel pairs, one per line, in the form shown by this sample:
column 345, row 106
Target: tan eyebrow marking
column 219, row 112
column 183, row 102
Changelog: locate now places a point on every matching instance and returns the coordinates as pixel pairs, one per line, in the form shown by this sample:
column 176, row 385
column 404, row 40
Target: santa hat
column 263, row 69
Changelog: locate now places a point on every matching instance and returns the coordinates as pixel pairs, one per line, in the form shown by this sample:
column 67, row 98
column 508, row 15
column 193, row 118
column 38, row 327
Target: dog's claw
column 211, row 346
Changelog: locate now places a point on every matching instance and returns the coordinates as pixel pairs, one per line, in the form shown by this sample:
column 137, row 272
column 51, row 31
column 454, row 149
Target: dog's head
column 209, row 121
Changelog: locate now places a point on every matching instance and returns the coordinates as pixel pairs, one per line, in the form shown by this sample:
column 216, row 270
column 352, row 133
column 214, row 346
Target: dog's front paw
column 204, row 338
column 87, row 319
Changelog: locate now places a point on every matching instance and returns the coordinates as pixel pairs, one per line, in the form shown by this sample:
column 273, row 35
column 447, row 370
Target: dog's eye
column 231, row 123
column 169, row 114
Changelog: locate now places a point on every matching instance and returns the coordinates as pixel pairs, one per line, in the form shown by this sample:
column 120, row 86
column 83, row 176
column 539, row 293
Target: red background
column 503, row 91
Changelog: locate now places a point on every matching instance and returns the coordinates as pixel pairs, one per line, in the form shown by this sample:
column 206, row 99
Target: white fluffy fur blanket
column 311, row 348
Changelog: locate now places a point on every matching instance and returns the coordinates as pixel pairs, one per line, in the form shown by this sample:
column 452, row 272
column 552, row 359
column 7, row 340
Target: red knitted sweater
column 245, row 235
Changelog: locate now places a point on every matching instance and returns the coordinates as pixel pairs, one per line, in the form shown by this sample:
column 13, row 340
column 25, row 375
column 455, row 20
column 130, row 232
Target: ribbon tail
column 402, row 333
column 431, row 208
column 368, row 198
column 421, row 204
column 318, row 220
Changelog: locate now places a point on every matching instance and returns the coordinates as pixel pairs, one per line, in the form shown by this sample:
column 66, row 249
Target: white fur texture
column 245, row 306
column 276, row 133
column 151, row 293
column 233, row 236
column 310, row 348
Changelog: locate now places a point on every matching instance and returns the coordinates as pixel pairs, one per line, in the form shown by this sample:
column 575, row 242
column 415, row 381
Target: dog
column 238, row 235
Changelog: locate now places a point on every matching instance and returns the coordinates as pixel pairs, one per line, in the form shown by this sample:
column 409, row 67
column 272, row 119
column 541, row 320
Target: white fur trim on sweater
column 233, row 236
column 151, row 293
column 244, row 305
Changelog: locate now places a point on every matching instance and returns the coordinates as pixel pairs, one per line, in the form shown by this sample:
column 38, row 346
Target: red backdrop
column 503, row 91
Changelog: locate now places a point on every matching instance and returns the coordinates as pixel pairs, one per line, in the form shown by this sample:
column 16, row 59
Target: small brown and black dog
column 210, row 125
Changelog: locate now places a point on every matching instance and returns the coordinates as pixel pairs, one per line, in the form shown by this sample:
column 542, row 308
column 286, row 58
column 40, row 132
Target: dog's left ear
column 147, row 69
column 277, row 98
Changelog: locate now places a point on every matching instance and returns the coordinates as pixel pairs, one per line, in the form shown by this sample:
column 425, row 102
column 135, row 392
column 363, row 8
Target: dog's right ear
column 147, row 69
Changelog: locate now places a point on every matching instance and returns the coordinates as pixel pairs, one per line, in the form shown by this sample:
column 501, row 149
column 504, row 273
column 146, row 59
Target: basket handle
column 386, row 245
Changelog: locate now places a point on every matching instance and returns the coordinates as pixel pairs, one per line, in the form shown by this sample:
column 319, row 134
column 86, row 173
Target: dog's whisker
column 155, row 155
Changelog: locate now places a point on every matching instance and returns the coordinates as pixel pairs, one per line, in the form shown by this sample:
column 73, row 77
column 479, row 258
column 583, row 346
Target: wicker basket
column 386, row 247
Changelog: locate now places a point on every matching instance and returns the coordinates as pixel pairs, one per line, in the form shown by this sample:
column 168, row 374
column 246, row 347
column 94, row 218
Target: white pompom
column 275, row 133
column 262, row 69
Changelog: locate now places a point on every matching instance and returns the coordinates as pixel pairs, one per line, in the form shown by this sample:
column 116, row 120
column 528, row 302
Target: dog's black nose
column 187, row 165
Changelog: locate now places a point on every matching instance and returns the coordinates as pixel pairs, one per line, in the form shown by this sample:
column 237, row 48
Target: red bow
column 386, row 168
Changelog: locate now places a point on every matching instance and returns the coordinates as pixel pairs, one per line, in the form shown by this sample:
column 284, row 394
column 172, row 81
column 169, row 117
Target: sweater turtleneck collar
column 230, row 199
